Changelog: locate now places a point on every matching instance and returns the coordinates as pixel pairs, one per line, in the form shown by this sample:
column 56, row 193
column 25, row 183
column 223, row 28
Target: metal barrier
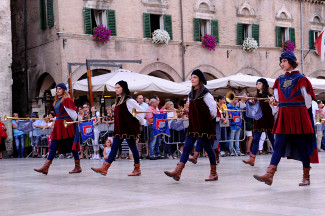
column 39, row 136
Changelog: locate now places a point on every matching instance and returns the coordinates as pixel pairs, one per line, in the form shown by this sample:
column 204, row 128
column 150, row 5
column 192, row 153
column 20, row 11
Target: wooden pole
column 70, row 86
column 90, row 88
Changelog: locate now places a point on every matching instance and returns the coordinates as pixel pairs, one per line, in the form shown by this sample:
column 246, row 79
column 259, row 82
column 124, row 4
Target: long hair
column 198, row 91
column 121, row 100
column 265, row 92
column 65, row 95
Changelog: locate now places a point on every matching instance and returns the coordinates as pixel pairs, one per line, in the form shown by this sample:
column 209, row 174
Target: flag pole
column 302, row 38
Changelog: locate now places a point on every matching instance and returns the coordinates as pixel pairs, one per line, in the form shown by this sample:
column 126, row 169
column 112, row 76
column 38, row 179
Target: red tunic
column 293, row 116
column 125, row 125
column 59, row 131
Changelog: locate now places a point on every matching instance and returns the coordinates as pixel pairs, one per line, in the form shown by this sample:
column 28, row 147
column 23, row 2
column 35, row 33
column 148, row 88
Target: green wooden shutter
column 196, row 23
column 311, row 39
column 256, row 33
column 292, row 35
column 50, row 13
column 215, row 29
column 111, row 21
column 240, row 34
column 87, row 21
column 278, row 41
column 146, row 25
column 168, row 25
column 43, row 14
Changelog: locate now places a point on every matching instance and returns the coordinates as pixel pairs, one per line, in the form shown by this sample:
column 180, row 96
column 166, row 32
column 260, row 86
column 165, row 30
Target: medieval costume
column 61, row 137
column 295, row 136
column 202, row 127
column 125, row 127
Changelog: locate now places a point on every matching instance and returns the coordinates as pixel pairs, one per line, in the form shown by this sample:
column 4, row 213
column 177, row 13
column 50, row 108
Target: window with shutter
column 292, row 35
column 43, row 14
column 240, row 32
column 311, row 39
column 111, row 21
column 146, row 25
column 215, row 29
column 278, row 39
column 168, row 25
column 256, row 33
column 87, row 20
column 196, row 24
column 50, row 13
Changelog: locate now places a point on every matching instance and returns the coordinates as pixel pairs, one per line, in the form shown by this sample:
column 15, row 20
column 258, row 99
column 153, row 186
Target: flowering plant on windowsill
column 250, row 45
column 160, row 36
column 102, row 34
column 288, row 46
column 209, row 42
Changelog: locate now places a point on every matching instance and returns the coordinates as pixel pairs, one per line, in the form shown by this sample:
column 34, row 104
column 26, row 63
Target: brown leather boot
column 267, row 178
column 103, row 169
column 176, row 174
column 305, row 177
column 45, row 168
column 213, row 173
column 77, row 167
column 217, row 157
column 194, row 158
column 251, row 160
column 136, row 171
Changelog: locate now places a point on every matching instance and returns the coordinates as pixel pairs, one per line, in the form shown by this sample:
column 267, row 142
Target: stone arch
column 96, row 72
column 282, row 11
column 204, row 6
column 318, row 74
column 209, row 70
column 249, row 71
column 246, row 9
column 44, row 82
column 317, row 18
column 81, row 70
column 162, row 68
column 162, row 75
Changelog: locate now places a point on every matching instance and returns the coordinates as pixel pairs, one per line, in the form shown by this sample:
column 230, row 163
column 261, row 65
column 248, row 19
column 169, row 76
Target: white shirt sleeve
column 130, row 104
column 211, row 103
column 308, row 98
column 72, row 113
column 276, row 94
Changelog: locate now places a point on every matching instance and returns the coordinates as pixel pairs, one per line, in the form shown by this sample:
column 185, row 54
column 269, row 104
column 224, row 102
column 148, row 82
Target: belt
column 291, row 104
column 63, row 117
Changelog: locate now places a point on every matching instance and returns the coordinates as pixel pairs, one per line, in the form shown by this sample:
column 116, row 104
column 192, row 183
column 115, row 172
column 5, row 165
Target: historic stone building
column 59, row 32
column 5, row 65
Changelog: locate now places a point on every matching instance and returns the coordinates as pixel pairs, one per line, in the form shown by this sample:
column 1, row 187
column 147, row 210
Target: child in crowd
column 107, row 148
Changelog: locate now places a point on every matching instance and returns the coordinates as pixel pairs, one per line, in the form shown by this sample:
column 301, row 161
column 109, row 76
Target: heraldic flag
column 253, row 110
column 25, row 126
column 160, row 124
column 86, row 130
column 320, row 45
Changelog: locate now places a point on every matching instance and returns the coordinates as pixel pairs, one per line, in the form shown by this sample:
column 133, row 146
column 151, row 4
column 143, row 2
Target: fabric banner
column 86, row 130
column 160, row 124
column 253, row 110
column 25, row 126
column 320, row 45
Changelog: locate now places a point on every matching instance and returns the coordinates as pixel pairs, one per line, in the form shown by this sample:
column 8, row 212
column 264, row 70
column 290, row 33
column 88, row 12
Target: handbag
column 3, row 134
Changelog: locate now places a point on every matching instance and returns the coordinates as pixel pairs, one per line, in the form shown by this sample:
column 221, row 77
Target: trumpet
column 15, row 118
column 136, row 112
column 222, row 110
column 230, row 97
column 66, row 124
column 319, row 121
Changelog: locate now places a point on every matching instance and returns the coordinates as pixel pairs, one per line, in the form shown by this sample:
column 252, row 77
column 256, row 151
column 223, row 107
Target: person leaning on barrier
column 248, row 123
column 19, row 137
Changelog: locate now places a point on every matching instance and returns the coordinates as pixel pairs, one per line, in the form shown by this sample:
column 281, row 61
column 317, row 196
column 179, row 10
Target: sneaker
column 223, row 154
column 232, row 154
column 240, row 154
column 152, row 158
column 170, row 157
column 61, row 156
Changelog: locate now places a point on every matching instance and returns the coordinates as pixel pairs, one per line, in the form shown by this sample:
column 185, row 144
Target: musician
column 202, row 125
column 125, row 127
column 62, row 138
column 265, row 123
column 295, row 136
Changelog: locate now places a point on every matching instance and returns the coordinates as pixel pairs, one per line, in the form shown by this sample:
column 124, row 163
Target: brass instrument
column 136, row 112
column 222, row 110
column 230, row 97
column 319, row 121
column 66, row 124
column 15, row 118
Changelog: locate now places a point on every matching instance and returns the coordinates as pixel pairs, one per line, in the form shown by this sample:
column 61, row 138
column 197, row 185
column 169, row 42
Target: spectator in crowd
column 248, row 124
column 86, row 117
column 315, row 109
column 154, row 152
column 224, row 122
column 319, row 126
column 169, row 105
column 3, row 130
column 95, row 118
column 19, row 137
column 146, row 100
column 107, row 149
column 143, row 139
column 109, row 117
column 235, row 126
column 36, row 138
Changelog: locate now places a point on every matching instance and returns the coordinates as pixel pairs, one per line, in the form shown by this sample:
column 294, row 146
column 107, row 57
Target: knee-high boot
column 45, row 168
column 176, row 174
column 305, row 177
column 103, row 169
column 267, row 178
column 194, row 158
column 77, row 167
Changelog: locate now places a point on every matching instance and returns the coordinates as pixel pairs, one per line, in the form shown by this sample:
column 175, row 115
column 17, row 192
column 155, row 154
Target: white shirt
column 130, row 104
column 72, row 113
column 211, row 103
column 314, row 107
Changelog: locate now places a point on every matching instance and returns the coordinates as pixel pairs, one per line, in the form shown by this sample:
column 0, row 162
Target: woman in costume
column 61, row 137
column 202, row 125
column 295, row 136
column 125, row 127
column 265, row 123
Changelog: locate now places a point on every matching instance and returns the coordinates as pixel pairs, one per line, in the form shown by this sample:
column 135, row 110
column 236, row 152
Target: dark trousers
column 66, row 142
column 280, row 144
column 117, row 143
column 257, row 137
column 188, row 146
